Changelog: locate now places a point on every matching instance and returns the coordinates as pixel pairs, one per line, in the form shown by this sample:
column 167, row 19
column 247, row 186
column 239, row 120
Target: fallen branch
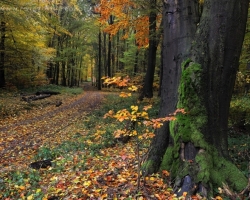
column 47, row 92
column 35, row 97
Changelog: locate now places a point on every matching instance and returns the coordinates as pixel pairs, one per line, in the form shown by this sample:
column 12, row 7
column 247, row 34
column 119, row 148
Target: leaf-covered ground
column 21, row 136
column 87, row 162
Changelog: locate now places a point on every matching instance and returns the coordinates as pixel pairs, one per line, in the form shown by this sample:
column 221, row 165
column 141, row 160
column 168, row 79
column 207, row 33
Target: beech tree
column 201, row 50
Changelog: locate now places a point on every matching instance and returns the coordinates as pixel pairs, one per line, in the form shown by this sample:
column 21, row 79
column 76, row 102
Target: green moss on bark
column 148, row 167
column 208, row 167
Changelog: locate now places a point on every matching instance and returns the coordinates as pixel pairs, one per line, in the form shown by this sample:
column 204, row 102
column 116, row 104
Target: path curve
column 20, row 141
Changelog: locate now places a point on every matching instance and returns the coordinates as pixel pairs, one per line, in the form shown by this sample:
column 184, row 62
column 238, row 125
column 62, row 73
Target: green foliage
column 239, row 115
column 242, row 83
column 238, row 146
column 17, row 181
column 244, row 59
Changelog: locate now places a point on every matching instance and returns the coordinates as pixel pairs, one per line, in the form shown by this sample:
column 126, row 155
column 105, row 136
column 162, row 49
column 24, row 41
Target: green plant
column 45, row 153
column 239, row 115
column 238, row 146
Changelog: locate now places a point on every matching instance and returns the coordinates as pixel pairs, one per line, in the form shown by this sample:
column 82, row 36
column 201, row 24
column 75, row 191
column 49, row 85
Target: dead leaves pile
column 110, row 174
column 22, row 136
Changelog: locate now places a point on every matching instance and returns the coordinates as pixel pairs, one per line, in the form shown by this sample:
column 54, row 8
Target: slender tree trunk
column 136, row 62
column 50, row 65
column 118, row 47
column 68, row 73
column 63, row 73
column 197, row 141
column 109, row 57
column 99, row 86
column 147, row 90
column 57, row 64
column 105, row 53
column 2, row 52
column 109, row 49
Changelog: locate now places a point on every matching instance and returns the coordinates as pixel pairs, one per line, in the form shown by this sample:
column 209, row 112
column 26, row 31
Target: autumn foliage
column 123, row 12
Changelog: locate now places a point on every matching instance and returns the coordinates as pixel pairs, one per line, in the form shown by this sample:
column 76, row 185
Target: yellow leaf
column 21, row 187
column 30, row 197
column 134, row 108
column 144, row 115
column 133, row 88
column 87, row 183
column 54, row 178
column 125, row 94
column 38, row 190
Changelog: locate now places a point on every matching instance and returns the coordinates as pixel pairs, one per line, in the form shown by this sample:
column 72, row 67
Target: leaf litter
column 110, row 173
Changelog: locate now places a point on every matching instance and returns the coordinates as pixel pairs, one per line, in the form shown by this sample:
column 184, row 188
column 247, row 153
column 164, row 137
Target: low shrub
column 239, row 115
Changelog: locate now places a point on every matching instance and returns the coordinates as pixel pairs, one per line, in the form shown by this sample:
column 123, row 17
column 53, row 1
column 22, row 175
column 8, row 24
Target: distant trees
column 44, row 42
column 47, row 41
column 134, row 27
column 23, row 44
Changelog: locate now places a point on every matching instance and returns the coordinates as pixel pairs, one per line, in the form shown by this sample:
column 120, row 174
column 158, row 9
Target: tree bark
column 197, row 145
column 179, row 28
column 99, row 86
column 2, row 52
column 109, row 49
column 147, row 90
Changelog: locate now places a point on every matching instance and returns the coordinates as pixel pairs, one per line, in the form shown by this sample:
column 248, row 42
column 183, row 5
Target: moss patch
column 207, row 167
column 148, row 167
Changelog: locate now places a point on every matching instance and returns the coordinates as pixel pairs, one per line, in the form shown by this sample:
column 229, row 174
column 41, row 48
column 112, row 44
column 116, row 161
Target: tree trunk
column 104, row 53
column 50, row 65
column 109, row 57
column 175, row 48
column 147, row 90
column 63, row 82
column 99, row 86
column 136, row 62
column 109, row 49
column 198, row 146
column 2, row 52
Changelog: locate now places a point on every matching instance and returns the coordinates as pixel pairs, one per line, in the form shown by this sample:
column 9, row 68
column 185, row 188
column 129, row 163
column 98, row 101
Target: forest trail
column 21, row 138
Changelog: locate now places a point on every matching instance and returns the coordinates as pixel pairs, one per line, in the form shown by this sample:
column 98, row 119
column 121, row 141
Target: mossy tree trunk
column 179, row 28
column 195, row 145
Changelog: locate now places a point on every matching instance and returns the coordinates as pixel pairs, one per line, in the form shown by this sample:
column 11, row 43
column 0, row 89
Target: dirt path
column 20, row 139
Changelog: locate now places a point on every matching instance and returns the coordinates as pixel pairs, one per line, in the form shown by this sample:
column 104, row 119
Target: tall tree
column 200, row 60
column 2, row 49
column 147, row 90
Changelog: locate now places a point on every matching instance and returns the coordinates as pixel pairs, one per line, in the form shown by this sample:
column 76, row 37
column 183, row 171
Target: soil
column 22, row 136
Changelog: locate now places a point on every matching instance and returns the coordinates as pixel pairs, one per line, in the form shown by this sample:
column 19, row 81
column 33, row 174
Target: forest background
column 69, row 42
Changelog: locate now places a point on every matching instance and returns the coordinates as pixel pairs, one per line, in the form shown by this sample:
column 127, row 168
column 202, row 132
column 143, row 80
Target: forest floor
column 87, row 162
column 38, row 124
